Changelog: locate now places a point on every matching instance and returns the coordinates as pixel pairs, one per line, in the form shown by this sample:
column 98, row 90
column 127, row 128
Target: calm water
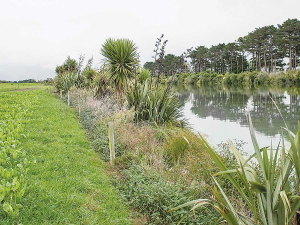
column 221, row 113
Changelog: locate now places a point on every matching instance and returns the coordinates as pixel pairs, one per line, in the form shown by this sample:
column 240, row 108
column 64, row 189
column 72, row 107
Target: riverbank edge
column 167, row 155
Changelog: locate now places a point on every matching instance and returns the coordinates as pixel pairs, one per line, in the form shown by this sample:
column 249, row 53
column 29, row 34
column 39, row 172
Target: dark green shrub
column 297, row 78
column 241, row 78
column 194, row 78
column 89, row 73
column 150, row 194
column 233, row 78
column 207, row 77
column 251, row 76
column 70, row 65
column 219, row 79
column 227, row 79
column 101, row 83
column 153, row 103
column 182, row 77
column 261, row 79
column 290, row 77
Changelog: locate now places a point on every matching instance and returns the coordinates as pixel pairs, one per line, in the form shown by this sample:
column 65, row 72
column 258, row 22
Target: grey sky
column 37, row 35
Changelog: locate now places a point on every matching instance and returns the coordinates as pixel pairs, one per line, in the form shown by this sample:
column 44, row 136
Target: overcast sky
column 38, row 35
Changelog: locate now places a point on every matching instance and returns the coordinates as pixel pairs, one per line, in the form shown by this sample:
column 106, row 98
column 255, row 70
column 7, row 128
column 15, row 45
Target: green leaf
column 194, row 202
column 257, row 187
column 7, row 208
column 2, row 195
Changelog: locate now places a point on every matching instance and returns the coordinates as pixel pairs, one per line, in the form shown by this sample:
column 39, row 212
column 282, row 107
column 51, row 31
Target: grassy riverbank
column 158, row 167
column 66, row 184
column 160, row 163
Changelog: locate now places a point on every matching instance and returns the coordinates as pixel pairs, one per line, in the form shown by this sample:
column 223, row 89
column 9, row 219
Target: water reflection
column 204, row 107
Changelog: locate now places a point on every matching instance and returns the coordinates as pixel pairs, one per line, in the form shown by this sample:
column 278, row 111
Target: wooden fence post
column 68, row 98
column 79, row 104
column 111, row 142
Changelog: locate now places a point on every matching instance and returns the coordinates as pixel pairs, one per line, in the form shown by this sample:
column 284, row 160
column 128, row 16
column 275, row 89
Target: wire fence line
column 83, row 101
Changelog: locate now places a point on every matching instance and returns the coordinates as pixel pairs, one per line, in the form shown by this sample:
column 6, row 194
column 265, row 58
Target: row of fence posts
column 110, row 126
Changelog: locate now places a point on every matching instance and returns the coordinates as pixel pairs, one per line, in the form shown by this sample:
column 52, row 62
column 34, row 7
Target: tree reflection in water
column 230, row 104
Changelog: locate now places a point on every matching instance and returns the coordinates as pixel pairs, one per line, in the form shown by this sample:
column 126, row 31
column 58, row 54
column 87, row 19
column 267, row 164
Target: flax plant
column 153, row 104
column 266, row 194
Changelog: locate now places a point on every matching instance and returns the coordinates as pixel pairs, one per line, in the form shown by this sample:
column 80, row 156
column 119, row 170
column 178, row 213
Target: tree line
column 264, row 49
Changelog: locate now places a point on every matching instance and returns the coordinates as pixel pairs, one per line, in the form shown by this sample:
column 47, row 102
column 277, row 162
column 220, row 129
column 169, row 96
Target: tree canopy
column 263, row 49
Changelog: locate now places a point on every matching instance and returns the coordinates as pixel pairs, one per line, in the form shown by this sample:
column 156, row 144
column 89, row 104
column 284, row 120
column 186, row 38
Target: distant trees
column 27, row 81
column 263, row 49
column 199, row 58
column 70, row 65
column 289, row 34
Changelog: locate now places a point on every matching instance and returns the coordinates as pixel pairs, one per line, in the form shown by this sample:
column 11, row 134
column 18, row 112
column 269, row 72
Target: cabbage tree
column 121, row 58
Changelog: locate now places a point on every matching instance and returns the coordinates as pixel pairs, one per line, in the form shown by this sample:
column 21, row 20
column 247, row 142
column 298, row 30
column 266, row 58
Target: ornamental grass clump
column 156, row 104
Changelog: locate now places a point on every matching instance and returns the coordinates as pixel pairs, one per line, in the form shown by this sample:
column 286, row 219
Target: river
column 220, row 113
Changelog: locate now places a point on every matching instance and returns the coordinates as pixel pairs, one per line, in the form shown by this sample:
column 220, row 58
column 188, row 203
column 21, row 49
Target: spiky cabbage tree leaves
column 121, row 57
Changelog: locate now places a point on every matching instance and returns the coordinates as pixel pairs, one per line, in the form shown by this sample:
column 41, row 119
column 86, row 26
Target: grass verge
column 4, row 87
column 67, row 184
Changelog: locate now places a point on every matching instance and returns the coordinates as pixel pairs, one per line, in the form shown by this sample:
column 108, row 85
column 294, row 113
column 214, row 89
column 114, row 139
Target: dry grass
column 152, row 147
column 138, row 138
column 102, row 107
column 142, row 141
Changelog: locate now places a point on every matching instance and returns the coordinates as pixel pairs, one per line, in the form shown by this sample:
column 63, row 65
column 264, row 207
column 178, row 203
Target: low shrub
column 241, row 78
column 261, row 79
column 149, row 193
column 154, row 103
column 100, row 83
column 206, row 77
column 297, row 77
column 227, row 80
column 182, row 77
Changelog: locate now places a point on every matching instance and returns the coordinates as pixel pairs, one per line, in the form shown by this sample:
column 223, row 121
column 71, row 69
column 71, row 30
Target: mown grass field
column 22, row 86
column 66, row 184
